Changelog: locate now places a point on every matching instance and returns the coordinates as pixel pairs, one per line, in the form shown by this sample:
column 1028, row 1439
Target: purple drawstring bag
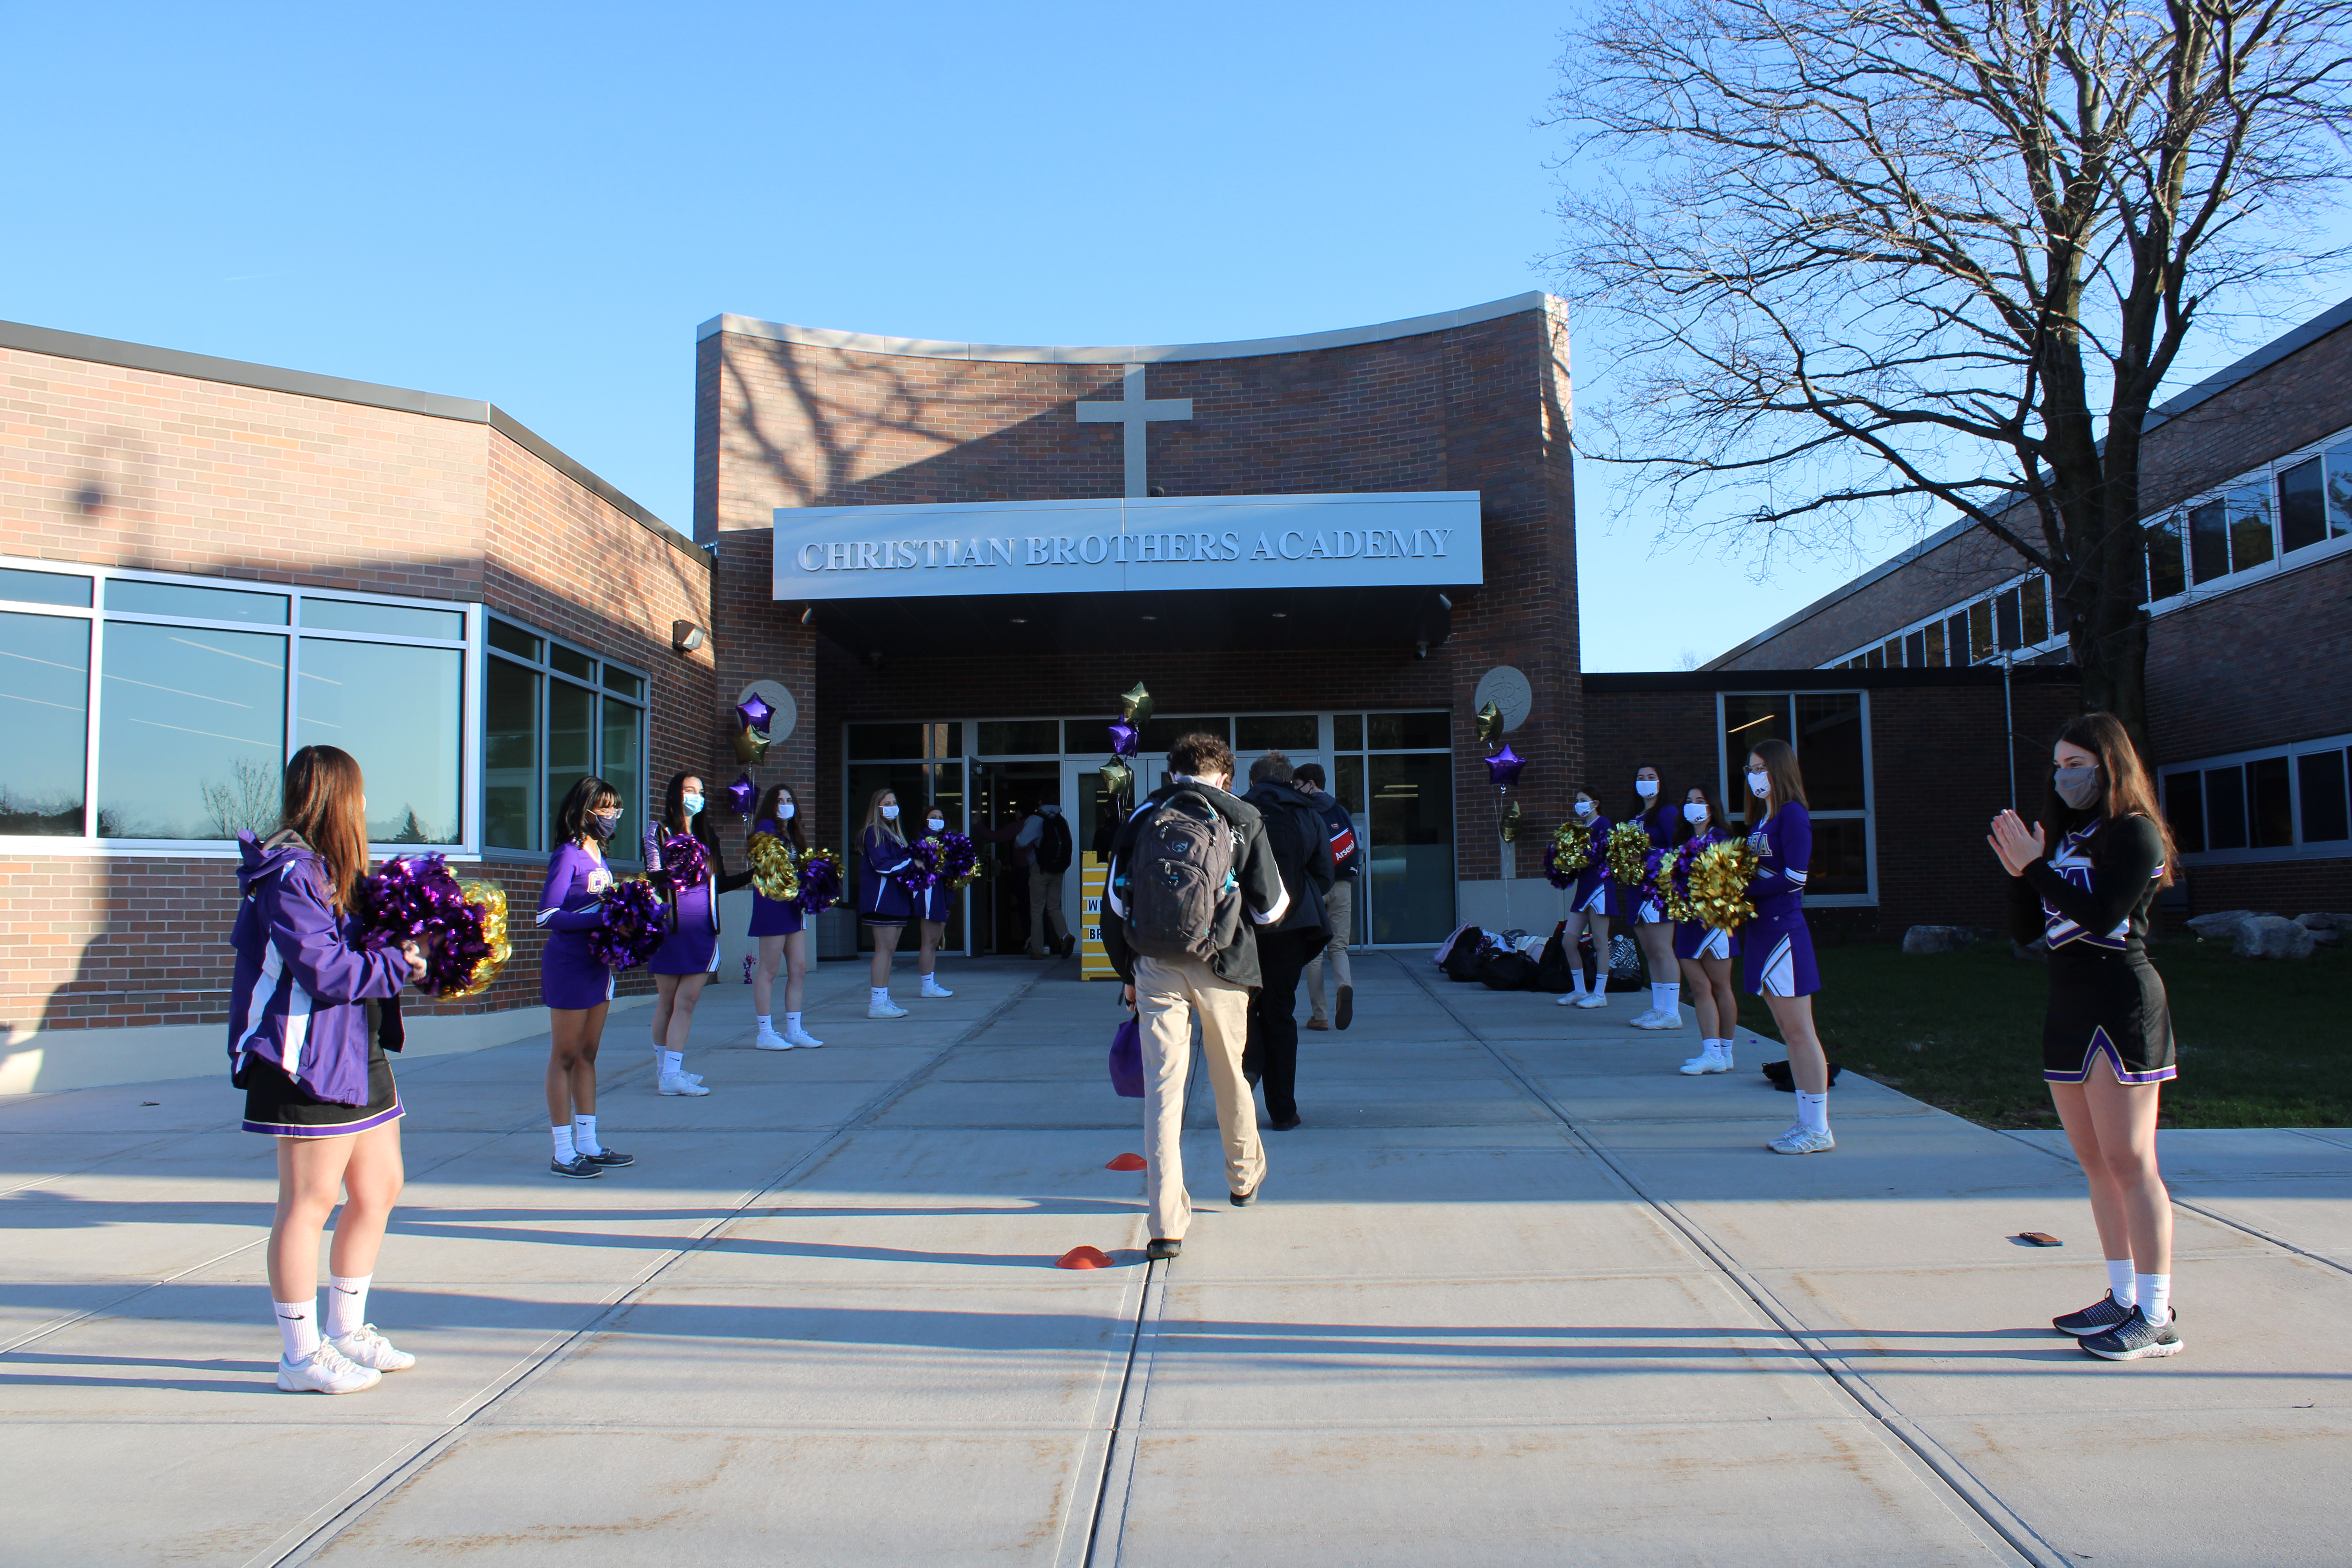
column 1127, row 1061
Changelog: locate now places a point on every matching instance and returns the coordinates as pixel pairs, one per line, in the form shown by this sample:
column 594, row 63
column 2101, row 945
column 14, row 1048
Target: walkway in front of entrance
column 1516, row 1294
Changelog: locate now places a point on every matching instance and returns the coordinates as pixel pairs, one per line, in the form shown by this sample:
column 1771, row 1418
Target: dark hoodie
column 299, row 998
column 1301, row 841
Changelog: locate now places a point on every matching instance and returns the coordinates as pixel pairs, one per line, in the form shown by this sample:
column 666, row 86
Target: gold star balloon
column 1135, row 705
column 1511, row 824
column 1490, row 724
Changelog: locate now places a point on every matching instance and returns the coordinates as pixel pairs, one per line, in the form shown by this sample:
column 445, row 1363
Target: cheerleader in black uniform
column 2106, row 1040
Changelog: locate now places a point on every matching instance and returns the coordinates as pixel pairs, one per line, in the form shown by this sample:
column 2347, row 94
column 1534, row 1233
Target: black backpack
column 1508, row 972
column 1465, row 958
column 1053, row 846
column 1552, row 970
column 1182, row 900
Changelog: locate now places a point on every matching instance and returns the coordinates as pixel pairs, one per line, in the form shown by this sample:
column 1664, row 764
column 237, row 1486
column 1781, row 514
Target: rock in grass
column 2268, row 936
column 2323, row 921
column 1937, row 938
column 2221, row 923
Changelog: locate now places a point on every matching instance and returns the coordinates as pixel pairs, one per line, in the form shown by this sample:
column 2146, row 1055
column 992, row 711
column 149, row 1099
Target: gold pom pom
column 1571, row 848
column 491, row 899
column 1628, row 853
column 1719, row 885
column 775, row 874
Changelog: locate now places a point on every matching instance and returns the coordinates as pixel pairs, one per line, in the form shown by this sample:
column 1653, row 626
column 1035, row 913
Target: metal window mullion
column 91, row 722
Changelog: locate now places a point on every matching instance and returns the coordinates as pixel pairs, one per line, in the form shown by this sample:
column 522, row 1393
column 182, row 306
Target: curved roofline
column 925, row 348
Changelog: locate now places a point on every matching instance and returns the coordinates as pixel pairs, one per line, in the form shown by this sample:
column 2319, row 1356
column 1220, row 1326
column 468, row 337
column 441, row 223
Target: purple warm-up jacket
column 299, row 1002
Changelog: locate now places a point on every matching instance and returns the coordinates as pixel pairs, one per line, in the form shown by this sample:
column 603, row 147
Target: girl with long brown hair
column 1652, row 932
column 688, row 955
column 782, row 932
column 311, row 1016
column 573, row 983
column 2106, row 1038
column 1705, row 953
column 883, row 905
column 1779, row 956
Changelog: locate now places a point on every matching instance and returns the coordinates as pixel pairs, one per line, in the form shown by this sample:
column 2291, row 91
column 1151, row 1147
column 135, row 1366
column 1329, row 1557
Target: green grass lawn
column 2263, row 1044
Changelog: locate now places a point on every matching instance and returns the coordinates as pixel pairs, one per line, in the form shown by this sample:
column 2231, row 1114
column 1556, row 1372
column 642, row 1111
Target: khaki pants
column 1341, row 901
column 1168, row 994
column 1046, row 910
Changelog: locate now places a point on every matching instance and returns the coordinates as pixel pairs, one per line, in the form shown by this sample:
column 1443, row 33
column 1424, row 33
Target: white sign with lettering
column 1150, row 543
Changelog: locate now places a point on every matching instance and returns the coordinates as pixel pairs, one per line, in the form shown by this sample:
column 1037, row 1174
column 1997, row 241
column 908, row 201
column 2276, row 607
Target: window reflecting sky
column 396, row 709
column 192, row 732
column 44, row 697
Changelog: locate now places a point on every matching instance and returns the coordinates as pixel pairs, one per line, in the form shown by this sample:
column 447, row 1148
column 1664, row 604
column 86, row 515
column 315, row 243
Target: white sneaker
column 1709, row 1061
column 1593, row 999
column 933, row 988
column 1642, row 1020
column 769, row 1040
column 325, row 1371
column 1568, row 1001
column 1659, row 1018
column 802, row 1039
column 884, row 1009
column 689, row 1077
column 1798, row 1141
column 680, row 1083
column 364, row 1347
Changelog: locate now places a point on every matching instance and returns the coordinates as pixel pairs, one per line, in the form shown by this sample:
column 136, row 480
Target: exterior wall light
column 685, row 637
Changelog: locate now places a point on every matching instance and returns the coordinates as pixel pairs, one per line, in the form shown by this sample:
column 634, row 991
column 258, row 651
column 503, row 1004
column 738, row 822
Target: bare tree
column 1888, row 253
column 252, row 800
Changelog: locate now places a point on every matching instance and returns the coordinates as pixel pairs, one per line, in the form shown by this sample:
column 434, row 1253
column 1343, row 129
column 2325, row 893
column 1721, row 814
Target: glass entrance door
column 1003, row 794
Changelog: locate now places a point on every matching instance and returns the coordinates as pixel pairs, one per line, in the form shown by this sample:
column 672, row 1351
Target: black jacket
column 1335, row 816
column 1301, row 841
column 1264, row 898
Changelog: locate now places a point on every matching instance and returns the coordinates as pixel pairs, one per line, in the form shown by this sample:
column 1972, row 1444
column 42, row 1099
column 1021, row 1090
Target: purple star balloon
column 756, row 711
column 1503, row 767
column 1124, row 737
column 742, row 795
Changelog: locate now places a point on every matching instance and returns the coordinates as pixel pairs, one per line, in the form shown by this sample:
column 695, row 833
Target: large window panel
column 1841, row 863
column 192, row 732
column 571, row 746
column 45, row 713
column 2249, row 530
column 2209, row 542
column 2270, row 800
column 2339, row 492
column 623, row 763
column 2225, row 808
column 2303, row 504
column 1829, row 750
column 2320, row 781
column 1747, row 719
column 2184, row 808
column 399, row 710
column 2167, row 575
column 511, row 813
column 1411, row 858
column 137, row 596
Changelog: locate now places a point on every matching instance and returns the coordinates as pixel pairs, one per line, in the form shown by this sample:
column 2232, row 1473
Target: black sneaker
column 581, row 1168
column 612, row 1159
column 2136, row 1339
column 1161, row 1249
column 2097, row 1318
column 1243, row 1200
column 1344, row 1012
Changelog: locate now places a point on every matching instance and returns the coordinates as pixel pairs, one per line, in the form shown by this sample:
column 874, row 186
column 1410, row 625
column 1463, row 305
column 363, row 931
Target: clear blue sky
column 537, row 205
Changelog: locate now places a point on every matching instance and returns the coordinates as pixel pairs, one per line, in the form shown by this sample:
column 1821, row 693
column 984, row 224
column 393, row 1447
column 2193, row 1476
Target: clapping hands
column 2016, row 845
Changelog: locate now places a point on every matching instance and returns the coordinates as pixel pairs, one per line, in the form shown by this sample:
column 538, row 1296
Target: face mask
column 1760, row 782
column 1646, row 788
column 693, row 804
column 1694, row 814
column 788, row 811
column 602, row 823
column 2078, row 787
column 890, row 814
column 937, row 824
column 1584, row 808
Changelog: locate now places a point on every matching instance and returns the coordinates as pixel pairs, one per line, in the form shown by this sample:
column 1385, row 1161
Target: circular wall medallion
column 788, row 712
column 1506, row 687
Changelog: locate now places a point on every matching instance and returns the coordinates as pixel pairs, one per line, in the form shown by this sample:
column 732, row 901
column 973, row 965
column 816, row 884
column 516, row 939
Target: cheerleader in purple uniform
column 883, row 906
column 1651, row 928
column 1779, row 948
column 934, row 906
column 782, row 933
column 2107, row 1039
column 688, row 954
column 576, row 989
column 1594, row 898
column 1706, row 954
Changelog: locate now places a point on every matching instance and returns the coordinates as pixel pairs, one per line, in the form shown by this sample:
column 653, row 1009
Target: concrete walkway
column 1516, row 1294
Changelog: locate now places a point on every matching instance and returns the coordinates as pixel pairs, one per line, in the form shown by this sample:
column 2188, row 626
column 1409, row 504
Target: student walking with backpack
column 1330, row 966
column 1191, row 879
column 1045, row 838
column 1301, row 843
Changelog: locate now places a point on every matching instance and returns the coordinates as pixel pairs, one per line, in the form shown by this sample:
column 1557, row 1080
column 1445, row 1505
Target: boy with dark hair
column 1338, row 904
column 1302, row 856
column 1185, row 870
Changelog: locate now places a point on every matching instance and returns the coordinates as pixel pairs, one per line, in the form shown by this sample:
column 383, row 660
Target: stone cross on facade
column 1136, row 412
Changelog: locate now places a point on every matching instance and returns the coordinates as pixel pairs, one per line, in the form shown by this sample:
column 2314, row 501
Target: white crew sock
column 298, row 1325
column 1724, row 1047
column 1666, row 997
column 2121, row 1283
column 673, row 1063
column 2155, row 1292
column 565, row 1153
column 1576, row 973
column 881, row 994
column 1812, row 1111
column 583, row 1135
column 346, row 1303
column 767, row 1023
column 791, row 1022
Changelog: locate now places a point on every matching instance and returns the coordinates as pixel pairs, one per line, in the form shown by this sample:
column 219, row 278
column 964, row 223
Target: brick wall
column 117, row 467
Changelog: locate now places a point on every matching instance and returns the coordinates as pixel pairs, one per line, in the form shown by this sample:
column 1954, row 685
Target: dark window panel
column 2225, row 808
column 1840, row 855
column 947, row 741
column 1915, row 650
column 622, row 682
column 2209, row 542
column 1955, row 639
column 2303, row 504
column 2339, row 492
column 2007, row 619
column 1411, row 859
column 2249, row 532
column 2272, row 802
column 1749, row 717
column 1160, row 734
column 1829, row 750
column 514, row 640
column 1934, row 635
column 2325, row 819
column 2037, row 611
column 572, row 661
column 511, row 815
column 1348, row 732
column 1980, row 643
column 1874, row 660
column 2167, row 575
column 1297, row 732
column 2184, row 808
column 1407, row 732
column 885, row 741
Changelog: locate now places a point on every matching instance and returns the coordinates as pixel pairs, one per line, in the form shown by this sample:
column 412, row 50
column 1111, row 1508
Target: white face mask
column 937, row 824
column 1694, row 814
column 890, row 814
column 1760, row 782
column 1646, row 788
column 788, row 811
column 1584, row 808
column 693, row 803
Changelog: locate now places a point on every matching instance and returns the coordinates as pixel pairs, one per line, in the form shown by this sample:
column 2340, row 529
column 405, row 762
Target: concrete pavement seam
column 1981, row 1499
column 322, row 1535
